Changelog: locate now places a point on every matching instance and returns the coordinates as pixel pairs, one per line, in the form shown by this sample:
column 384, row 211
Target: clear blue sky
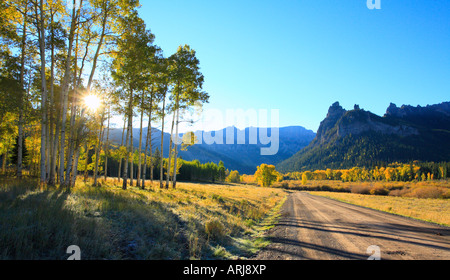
column 300, row 56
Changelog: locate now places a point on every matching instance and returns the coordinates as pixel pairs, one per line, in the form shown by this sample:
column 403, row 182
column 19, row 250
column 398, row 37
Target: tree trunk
column 21, row 101
column 174, row 183
column 125, row 166
column 149, row 135
column 130, row 120
column 96, row 56
column 41, row 34
column 57, row 161
column 132, row 156
column 86, row 161
column 138, row 182
column 120, row 156
column 52, row 159
column 73, row 111
column 65, row 93
column 20, row 144
column 107, row 144
column 97, row 150
column 161, row 168
column 5, row 158
column 73, row 180
column 55, row 147
column 170, row 151
column 71, row 143
column 97, row 53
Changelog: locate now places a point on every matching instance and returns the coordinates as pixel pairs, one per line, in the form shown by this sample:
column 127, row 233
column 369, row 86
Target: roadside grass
column 430, row 210
column 194, row 221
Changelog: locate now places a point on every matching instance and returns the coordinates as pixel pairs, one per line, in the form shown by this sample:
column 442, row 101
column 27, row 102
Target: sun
column 92, row 102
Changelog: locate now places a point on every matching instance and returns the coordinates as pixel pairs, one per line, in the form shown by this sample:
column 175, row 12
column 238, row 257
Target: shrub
column 379, row 190
column 234, row 177
column 327, row 189
column 446, row 194
column 195, row 246
column 266, row 175
column 304, row 179
column 217, row 198
column 215, row 229
column 399, row 192
column 283, row 185
column 427, row 192
column 361, row 189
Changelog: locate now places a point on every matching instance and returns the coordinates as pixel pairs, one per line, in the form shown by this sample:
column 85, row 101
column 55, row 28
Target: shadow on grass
column 42, row 223
column 35, row 224
column 108, row 223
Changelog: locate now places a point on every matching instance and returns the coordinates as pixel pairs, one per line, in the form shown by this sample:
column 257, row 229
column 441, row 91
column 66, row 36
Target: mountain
column 241, row 157
column 360, row 138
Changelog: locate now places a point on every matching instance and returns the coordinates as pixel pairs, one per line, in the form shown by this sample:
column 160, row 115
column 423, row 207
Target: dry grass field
column 431, row 210
column 426, row 200
column 424, row 189
column 194, row 221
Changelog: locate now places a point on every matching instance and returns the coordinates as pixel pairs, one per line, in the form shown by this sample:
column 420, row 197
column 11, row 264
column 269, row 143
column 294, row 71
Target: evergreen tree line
column 187, row 171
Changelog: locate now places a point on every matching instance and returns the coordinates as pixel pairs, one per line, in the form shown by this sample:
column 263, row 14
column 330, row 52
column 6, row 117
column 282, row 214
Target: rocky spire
column 392, row 110
column 334, row 114
column 336, row 110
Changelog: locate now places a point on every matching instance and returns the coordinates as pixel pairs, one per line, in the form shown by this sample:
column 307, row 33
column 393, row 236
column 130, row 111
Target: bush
column 427, row 192
column 283, row 185
column 361, row 189
column 234, row 177
column 304, row 179
column 215, row 229
column 399, row 192
column 379, row 190
column 217, row 198
column 446, row 194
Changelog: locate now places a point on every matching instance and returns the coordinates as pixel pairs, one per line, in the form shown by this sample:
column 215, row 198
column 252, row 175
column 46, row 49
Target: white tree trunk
column 161, row 167
column 138, row 182
column 174, row 183
column 65, row 93
column 41, row 33
column 170, row 151
column 149, row 136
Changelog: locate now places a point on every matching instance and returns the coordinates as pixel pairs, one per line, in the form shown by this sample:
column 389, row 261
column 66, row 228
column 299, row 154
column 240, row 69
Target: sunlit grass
column 423, row 189
column 194, row 221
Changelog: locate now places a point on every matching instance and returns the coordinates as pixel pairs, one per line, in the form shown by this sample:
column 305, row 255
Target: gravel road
column 318, row 228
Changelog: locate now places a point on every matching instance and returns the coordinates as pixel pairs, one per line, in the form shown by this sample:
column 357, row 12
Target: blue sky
column 300, row 56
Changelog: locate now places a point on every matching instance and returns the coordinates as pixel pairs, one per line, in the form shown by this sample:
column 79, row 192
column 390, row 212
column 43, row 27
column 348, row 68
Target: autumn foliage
column 266, row 175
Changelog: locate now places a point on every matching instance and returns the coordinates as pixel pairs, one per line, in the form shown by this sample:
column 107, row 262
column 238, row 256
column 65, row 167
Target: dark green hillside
column 360, row 138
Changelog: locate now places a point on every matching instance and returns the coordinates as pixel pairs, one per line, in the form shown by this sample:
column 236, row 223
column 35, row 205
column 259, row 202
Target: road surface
column 318, row 228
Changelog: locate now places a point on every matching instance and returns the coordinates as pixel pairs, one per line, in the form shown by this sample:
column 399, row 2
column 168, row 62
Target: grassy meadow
column 431, row 210
column 426, row 200
column 438, row 189
column 194, row 221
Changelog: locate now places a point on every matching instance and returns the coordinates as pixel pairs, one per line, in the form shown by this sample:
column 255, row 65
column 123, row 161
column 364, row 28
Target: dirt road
column 319, row 228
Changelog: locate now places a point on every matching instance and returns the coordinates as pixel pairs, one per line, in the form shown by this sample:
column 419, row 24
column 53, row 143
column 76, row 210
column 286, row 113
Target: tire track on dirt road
column 318, row 228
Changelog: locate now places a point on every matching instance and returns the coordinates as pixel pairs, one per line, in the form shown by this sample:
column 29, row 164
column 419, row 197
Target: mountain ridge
column 241, row 157
column 360, row 138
